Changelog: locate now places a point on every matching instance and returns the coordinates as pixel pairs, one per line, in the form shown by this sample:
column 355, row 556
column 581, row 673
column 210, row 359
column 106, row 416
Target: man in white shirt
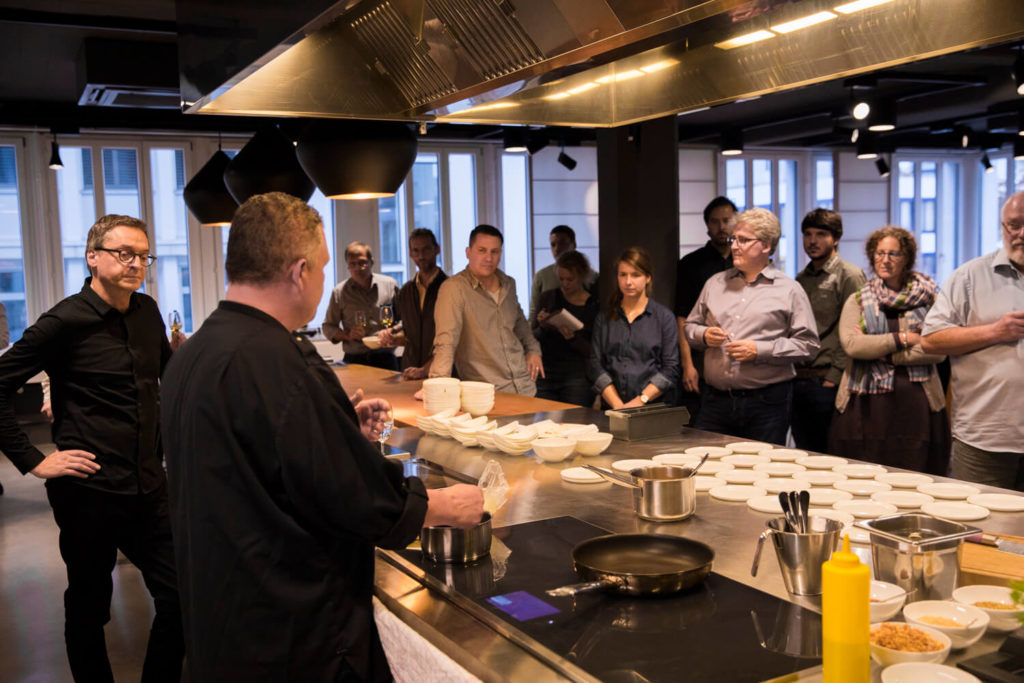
column 978, row 321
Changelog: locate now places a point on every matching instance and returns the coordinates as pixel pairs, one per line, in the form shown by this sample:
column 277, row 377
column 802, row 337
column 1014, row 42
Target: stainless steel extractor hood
column 588, row 63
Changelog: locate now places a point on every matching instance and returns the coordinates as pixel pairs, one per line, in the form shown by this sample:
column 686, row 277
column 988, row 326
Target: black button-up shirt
column 692, row 271
column 104, row 369
column 277, row 500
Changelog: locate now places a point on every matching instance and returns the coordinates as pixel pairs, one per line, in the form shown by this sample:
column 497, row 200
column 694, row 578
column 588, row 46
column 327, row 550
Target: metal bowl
column 458, row 546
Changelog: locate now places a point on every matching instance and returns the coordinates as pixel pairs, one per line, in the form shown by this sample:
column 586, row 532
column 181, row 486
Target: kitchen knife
column 995, row 541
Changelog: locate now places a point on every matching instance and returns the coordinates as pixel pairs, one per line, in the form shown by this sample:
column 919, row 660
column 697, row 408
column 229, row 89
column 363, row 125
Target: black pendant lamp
column 350, row 159
column 207, row 197
column 267, row 163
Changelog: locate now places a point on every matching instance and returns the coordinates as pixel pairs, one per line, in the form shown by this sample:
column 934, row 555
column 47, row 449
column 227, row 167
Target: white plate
column 705, row 483
column 779, row 484
column 680, row 459
column 1000, row 502
column 769, row 504
column 904, row 480
column 860, row 471
column 902, row 499
column 779, row 469
column 784, row 454
column 631, row 464
column 830, row 513
column 925, row 672
column 949, row 491
column 736, row 492
column 740, row 476
column 746, row 460
column 955, row 511
column 820, row 477
column 828, row 496
column 748, row 446
column 712, row 451
column 714, row 467
column 821, row 462
column 865, row 509
column 580, row 475
column 861, row 487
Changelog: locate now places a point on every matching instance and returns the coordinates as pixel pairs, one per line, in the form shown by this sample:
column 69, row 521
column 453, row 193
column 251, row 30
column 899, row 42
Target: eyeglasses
column 1013, row 226
column 891, row 255
column 127, row 257
column 743, row 241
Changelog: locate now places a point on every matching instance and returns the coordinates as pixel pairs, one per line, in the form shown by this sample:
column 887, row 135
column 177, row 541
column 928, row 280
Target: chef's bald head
column 269, row 233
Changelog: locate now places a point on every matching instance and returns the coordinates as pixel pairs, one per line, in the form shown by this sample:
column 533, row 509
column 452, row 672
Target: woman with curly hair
column 890, row 405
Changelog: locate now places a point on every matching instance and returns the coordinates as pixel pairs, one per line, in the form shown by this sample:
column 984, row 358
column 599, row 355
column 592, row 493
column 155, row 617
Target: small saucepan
column 453, row 545
column 638, row 565
column 661, row 493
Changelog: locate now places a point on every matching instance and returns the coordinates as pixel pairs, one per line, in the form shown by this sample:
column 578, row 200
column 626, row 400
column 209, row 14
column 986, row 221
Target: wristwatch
column 644, row 398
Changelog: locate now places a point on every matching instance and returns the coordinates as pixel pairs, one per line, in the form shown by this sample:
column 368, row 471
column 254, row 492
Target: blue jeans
column 755, row 414
column 813, row 406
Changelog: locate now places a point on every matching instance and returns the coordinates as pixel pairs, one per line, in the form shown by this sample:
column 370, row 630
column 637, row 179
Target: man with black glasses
column 104, row 350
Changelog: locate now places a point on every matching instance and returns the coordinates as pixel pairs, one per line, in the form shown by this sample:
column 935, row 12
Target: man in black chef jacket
column 278, row 498
column 103, row 349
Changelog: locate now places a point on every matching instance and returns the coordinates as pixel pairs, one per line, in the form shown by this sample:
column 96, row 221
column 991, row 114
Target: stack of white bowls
column 441, row 393
column 477, row 397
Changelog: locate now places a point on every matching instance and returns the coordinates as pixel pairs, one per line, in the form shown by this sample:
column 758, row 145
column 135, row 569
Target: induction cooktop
column 720, row 630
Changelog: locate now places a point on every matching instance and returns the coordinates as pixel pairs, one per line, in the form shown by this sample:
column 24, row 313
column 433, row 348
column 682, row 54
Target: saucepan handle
column 757, row 552
column 613, row 477
column 574, row 589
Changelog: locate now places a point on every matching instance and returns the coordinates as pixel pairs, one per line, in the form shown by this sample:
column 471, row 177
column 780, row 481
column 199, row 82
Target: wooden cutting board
column 984, row 564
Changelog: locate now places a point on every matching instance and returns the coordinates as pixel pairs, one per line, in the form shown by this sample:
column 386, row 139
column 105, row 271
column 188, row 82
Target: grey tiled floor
column 32, row 583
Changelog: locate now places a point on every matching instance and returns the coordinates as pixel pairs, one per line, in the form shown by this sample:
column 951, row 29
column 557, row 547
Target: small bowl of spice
column 962, row 623
column 893, row 643
column 996, row 602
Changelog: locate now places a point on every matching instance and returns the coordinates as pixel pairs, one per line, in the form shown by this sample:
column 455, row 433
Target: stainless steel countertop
column 538, row 492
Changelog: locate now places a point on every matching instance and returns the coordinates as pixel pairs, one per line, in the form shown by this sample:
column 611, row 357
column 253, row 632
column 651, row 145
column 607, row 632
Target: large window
column 76, row 201
column 12, row 262
column 927, row 201
column 170, row 232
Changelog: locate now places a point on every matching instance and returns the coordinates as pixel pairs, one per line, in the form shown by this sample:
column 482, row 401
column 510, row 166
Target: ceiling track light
column 732, row 143
column 536, row 140
column 882, row 116
column 1018, row 71
column 964, row 135
column 986, row 163
column 883, row 167
column 566, row 160
column 867, row 146
column 514, row 139
column 55, row 163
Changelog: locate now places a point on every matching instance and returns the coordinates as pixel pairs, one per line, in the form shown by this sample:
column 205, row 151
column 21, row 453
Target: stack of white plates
column 486, row 437
column 441, row 393
column 477, row 397
column 516, row 442
column 429, row 424
column 444, row 424
column 466, row 432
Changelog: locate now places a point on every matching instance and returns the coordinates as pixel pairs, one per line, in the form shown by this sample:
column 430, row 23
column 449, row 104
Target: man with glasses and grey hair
column 104, row 350
column 754, row 324
column 978, row 321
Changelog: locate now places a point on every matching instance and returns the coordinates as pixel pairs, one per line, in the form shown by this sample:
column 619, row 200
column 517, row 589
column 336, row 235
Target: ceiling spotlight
column 883, row 167
column 536, row 141
column 1018, row 71
column 566, row 160
column 867, row 147
column 964, row 135
column 882, row 116
column 422, row 129
column 861, row 109
column 55, row 163
column 855, row 135
column 732, row 143
column 986, row 163
column 515, row 139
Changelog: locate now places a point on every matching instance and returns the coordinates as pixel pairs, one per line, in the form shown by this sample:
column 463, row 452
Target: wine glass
column 174, row 320
column 387, row 315
column 385, row 432
column 361, row 321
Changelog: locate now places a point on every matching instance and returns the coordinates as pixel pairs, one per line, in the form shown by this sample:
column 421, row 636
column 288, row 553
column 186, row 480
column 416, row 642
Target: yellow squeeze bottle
column 845, row 618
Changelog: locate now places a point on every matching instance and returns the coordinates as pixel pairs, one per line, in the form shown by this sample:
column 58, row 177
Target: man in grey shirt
column 757, row 324
column 828, row 281
column 563, row 239
column 481, row 329
column 978, row 320
column 354, row 309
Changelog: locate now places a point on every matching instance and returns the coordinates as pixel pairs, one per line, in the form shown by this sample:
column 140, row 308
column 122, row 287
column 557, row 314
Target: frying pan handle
column 757, row 552
column 574, row 589
column 613, row 477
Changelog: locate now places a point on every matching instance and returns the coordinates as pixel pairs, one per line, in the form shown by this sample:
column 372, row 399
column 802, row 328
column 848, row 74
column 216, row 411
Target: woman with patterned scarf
column 890, row 405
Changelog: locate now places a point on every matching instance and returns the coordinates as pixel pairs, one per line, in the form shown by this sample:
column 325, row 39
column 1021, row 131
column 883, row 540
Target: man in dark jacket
column 278, row 497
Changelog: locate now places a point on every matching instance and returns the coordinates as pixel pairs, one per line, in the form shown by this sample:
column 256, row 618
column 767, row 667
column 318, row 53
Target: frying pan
column 638, row 565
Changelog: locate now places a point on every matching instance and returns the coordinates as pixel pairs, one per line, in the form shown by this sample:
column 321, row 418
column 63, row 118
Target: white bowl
column 1000, row 620
column 371, row 342
column 925, row 672
column 886, row 599
column 553, row 449
column 887, row 656
column 961, row 636
column 477, row 407
column 593, row 444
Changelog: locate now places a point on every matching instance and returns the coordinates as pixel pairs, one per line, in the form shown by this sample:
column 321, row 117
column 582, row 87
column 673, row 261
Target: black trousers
column 386, row 360
column 94, row 525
